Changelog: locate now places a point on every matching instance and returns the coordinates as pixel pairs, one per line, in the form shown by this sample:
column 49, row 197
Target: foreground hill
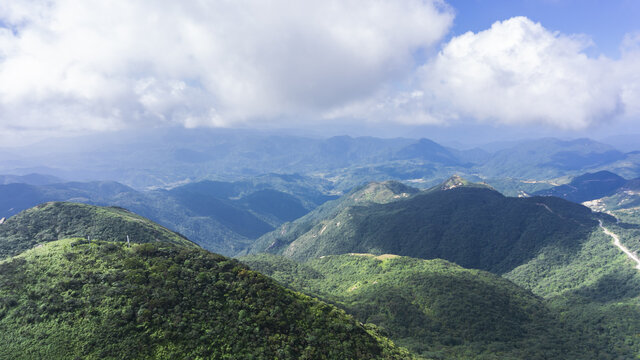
column 473, row 226
column 434, row 307
column 105, row 300
column 58, row 220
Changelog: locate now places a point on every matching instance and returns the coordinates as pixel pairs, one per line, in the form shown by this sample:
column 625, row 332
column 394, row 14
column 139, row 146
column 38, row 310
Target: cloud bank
column 516, row 73
column 78, row 66
column 96, row 65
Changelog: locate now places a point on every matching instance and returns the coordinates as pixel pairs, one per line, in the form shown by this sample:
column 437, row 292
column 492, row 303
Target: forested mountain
column 473, row 226
column 372, row 193
column 57, row 220
column 436, row 308
column 104, row 300
column 159, row 296
column 551, row 246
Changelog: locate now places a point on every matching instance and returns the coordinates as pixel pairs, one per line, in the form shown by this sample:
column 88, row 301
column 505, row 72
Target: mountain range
column 166, row 158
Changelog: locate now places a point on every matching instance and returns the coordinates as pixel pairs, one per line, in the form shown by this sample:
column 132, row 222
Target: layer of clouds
column 516, row 73
column 74, row 66
column 91, row 65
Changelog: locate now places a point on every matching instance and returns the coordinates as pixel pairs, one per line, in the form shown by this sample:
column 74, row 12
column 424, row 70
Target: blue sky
column 503, row 68
column 605, row 22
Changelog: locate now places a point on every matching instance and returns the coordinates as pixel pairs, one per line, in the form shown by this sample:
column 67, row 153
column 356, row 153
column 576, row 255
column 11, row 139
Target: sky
column 457, row 70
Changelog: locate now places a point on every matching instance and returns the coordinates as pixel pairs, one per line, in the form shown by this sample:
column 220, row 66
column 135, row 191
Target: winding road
column 616, row 242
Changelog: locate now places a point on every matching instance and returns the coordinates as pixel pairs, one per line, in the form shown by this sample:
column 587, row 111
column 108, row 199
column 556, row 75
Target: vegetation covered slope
column 433, row 307
column 58, row 220
column 545, row 244
column 594, row 286
column 474, row 227
column 371, row 193
column 105, row 300
column 624, row 203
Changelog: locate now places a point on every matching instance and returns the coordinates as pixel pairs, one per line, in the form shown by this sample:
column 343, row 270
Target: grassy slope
column 53, row 221
column 433, row 307
column 105, row 300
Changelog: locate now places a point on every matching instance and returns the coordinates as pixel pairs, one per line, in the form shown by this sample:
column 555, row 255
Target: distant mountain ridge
column 31, row 179
column 164, row 158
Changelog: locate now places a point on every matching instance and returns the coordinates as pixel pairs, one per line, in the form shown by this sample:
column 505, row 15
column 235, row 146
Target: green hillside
column 433, row 307
column 594, row 286
column 547, row 245
column 475, row 227
column 105, row 300
column 58, row 220
column 371, row 193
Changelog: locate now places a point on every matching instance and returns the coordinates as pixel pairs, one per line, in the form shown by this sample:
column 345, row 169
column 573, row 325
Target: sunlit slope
column 105, row 300
column 57, row 220
column 434, row 307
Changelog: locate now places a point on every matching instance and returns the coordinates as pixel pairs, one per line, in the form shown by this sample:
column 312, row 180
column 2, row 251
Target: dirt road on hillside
column 616, row 242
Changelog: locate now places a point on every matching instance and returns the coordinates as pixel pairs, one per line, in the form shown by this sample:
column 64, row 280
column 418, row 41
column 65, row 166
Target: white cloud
column 518, row 72
column 629, row 72
column 515, row 73
column 88, row 65
column 77, row 66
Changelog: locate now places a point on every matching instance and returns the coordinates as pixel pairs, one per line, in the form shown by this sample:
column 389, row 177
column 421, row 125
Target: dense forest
column 436, row 308
column 106, row 300
column 59, row 220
